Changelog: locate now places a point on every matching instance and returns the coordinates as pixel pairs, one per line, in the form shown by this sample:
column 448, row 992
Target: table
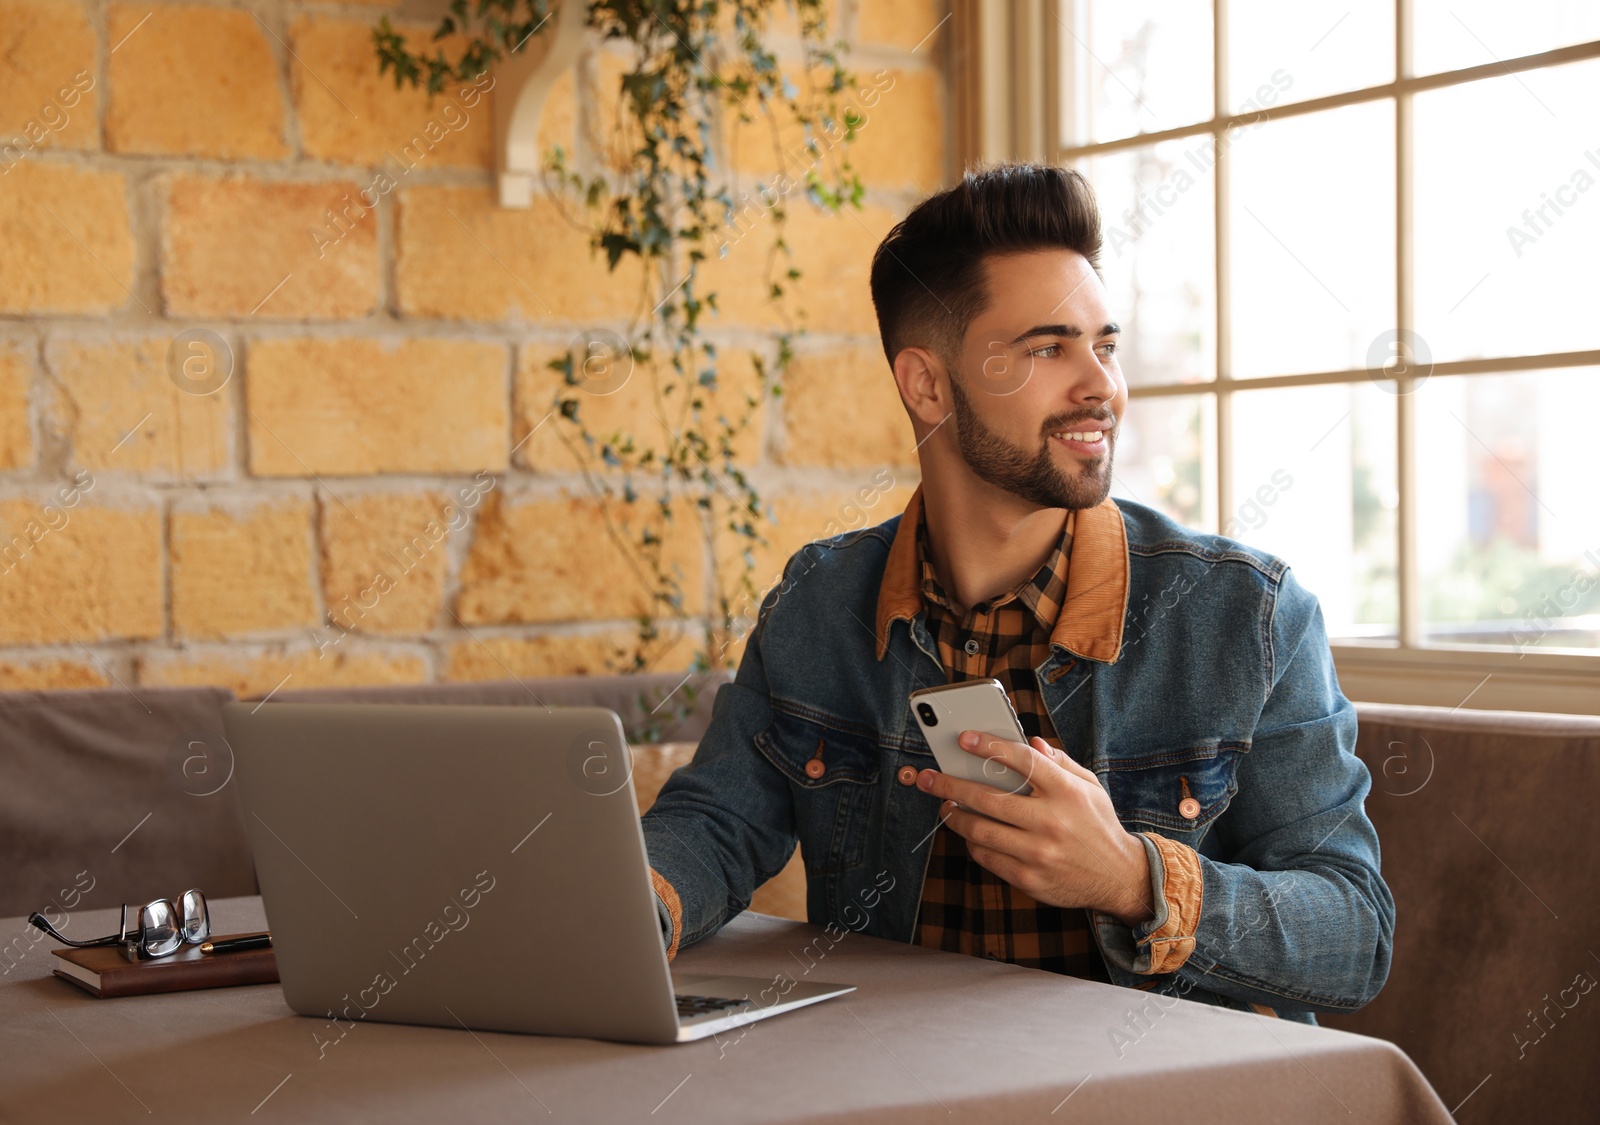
column 928, row 1036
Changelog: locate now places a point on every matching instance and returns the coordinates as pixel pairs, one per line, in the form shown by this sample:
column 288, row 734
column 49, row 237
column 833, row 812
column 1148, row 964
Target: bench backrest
column 1491, row 845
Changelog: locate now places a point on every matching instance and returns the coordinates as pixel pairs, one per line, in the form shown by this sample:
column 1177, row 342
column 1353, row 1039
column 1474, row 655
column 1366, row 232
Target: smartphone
column 944, row 712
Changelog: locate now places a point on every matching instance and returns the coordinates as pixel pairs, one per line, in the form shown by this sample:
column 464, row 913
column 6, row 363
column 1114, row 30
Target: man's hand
column 1061, row 844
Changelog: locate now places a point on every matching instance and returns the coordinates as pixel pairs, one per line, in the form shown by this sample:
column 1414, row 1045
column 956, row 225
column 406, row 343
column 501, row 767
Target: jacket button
column 815, row 768
column 1188, row 808
column 972, row 647
column 907, row 775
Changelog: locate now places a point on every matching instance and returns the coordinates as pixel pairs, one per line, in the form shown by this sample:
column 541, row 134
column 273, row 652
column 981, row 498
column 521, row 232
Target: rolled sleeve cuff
column 1165, row 942
column 670, row 910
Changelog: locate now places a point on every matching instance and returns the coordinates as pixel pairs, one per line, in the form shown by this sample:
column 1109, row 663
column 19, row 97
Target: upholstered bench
column 1486, row 821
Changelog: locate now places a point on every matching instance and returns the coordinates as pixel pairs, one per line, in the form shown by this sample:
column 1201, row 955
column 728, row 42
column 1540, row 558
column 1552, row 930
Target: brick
column 527, row 658
column 902, row 23
column 312, row 250
column 795, row 520
column 47, row 87
column 122, row 412
column 832, row 251
column 614, row 133
column 385, row 557
column 350, row 114
column 17, row 450
column 558, row 120
column 782, row 22
column 772, row 140
column 536, row 427
column 562, row 654
column 630, row 409
column 841, row 409
column 464, row 257
column 48, row 675
column 68, row 246
column 193, row 80
column 253, row 673
column 241, row 569
column 900, row 141
column 799, row 518
column 94, row 577
column 555, row 560
column 346, row 407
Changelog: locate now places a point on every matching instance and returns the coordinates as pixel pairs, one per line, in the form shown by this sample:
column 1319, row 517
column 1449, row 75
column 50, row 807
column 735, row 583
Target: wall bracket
column 522, row 82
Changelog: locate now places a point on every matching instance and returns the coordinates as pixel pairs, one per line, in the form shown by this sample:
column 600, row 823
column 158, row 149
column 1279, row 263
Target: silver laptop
column 476, row 867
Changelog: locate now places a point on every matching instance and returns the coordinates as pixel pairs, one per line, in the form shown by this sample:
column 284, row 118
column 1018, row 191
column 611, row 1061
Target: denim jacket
column 1184, row 665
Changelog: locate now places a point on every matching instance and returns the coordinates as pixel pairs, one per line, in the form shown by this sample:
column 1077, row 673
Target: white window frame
column 998, row 75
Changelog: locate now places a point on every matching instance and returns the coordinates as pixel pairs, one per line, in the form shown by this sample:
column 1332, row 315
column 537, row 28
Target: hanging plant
column 698, row 69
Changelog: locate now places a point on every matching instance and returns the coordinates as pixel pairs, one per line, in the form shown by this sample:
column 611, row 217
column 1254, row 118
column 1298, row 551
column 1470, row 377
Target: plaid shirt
column 965, row 908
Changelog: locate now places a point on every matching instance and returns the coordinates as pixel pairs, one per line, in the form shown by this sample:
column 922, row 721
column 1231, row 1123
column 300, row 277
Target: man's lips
column 1092, row 437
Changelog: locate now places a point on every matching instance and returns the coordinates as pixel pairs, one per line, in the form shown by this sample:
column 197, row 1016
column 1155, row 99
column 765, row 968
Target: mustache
column 1059, row 422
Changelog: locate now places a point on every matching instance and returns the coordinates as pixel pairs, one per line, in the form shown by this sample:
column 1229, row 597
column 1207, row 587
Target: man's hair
column 927, row 274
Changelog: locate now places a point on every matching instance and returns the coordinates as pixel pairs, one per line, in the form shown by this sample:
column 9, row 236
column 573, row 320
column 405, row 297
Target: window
column 1355, row 247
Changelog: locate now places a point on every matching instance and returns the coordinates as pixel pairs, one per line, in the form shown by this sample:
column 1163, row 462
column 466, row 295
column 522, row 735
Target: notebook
column 103, row 971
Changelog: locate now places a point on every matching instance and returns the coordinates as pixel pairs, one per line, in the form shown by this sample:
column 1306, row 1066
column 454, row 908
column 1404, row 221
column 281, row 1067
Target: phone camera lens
column 928, row 717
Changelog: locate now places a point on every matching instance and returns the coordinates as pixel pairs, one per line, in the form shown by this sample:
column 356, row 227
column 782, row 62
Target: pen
column 235, row 945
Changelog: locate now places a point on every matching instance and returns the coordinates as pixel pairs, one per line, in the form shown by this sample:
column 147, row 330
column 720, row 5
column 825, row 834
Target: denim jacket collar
column 1091, row 620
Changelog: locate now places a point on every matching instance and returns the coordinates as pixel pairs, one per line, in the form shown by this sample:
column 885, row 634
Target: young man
column 1195, row 825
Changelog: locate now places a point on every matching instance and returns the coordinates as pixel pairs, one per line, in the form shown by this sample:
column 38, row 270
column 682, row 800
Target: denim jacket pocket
column 1178, row 792
column 832, row 774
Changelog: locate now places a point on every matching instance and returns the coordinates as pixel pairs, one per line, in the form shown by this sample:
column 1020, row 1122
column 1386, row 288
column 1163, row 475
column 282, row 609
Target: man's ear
column 924, row 384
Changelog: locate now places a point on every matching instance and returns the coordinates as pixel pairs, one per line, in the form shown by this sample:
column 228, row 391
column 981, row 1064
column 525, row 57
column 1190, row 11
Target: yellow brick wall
column 371, row 495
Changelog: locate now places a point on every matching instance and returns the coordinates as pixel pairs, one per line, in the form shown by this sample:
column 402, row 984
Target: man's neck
column 984, row 541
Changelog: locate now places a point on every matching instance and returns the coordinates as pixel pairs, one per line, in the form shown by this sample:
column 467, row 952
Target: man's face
column 1037, row 389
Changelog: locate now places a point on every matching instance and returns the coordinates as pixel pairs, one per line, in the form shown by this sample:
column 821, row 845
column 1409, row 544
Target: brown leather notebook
column 103, row 971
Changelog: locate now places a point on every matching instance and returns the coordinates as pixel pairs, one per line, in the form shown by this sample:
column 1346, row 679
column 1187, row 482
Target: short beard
column 1034, row 477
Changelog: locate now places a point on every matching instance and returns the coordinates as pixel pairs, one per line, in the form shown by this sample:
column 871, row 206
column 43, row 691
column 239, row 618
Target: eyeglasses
column 163, row 927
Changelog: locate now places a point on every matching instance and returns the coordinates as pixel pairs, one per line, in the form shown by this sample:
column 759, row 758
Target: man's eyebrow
column 1068, row 331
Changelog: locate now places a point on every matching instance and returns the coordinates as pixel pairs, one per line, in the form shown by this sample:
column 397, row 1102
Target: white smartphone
column 944, row 712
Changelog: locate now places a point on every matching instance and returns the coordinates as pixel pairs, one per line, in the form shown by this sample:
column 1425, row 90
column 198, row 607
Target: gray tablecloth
column 927, row 1037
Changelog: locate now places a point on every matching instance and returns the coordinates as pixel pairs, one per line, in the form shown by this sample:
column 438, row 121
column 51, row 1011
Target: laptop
column 478, row 867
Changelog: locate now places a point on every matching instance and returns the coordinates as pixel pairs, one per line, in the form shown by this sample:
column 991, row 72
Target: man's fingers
column 1062, row 759
column 987, row 799
column 1024, row 759
column 986, row 832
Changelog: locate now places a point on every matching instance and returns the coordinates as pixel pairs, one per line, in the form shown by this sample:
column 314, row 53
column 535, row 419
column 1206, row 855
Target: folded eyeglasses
column 163, row 927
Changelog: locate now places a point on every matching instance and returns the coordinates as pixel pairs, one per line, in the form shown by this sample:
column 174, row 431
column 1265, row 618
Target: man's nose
column 1092, row 383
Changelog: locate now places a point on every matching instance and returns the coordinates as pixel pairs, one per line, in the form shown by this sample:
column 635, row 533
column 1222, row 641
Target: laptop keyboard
column 690, row 1006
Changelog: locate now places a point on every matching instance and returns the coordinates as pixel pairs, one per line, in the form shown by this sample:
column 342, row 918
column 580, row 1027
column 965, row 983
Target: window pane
column 1451, row 34
column 1133, row 67
column 1312, row 236
column 1295, row 52
column 1508, row 527
column 1314, row 482
column 1158, row 212
column 1166, row 457
column 1505, row 252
